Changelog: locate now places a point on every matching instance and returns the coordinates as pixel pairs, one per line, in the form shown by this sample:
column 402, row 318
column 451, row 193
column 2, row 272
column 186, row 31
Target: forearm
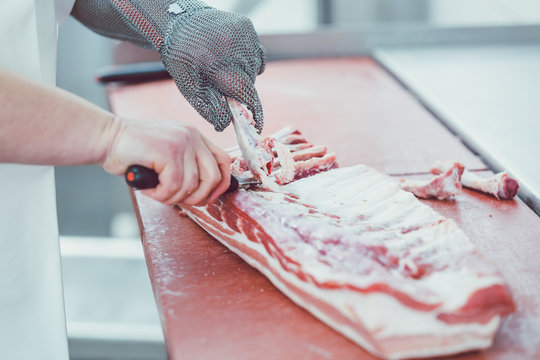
column 103, row 17
column 46, row 125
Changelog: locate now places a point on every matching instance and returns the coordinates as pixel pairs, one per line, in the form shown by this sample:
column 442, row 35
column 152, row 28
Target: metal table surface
column 213, row 305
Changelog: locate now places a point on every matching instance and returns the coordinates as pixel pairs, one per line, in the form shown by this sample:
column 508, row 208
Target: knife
column 140, row 177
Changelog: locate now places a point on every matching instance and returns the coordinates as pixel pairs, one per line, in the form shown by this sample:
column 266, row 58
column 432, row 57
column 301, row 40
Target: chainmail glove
column 209, row 53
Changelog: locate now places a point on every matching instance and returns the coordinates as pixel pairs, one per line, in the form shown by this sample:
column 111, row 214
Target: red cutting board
column 215, row 306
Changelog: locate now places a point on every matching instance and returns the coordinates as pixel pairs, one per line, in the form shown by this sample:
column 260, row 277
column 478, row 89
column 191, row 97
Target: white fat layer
column 363, row 191
column 446, row 284
column 380, row 314
column 359, row 191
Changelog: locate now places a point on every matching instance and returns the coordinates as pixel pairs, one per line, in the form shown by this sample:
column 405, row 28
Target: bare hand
column 192, row 169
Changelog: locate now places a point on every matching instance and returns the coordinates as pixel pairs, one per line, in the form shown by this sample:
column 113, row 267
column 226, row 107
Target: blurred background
column 109, row 302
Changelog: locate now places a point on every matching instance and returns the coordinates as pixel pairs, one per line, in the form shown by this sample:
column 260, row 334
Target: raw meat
column 258, row 152
column 365, row 257
column 444, row 186
column 500, row 185
column 451, row 176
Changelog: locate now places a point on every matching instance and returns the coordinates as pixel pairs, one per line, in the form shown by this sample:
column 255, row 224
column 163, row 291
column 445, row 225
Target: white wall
column 484, row 12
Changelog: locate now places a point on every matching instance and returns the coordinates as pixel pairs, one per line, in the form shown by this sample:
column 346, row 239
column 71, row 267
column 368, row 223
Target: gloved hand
column 209, row 53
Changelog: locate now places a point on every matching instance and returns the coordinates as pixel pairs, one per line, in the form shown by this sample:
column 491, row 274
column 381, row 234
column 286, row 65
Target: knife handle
column 140, row 177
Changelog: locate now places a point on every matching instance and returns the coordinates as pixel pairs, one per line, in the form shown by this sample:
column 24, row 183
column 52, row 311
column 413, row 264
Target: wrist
column 109, row 137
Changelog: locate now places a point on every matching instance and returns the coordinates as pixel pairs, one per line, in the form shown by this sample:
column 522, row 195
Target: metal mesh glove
column 209, row 53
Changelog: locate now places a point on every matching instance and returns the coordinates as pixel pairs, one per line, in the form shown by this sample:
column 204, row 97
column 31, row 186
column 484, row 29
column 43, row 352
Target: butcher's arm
column 45, row 125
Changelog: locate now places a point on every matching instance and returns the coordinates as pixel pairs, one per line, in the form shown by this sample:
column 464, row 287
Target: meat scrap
column 443, row 186
column 500, row 185
column 365, row 257
column 451, row 176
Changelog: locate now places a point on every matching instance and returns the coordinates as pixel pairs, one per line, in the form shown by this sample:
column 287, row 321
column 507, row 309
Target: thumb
column 219, row 113
column 251, row 99
column 236, row 84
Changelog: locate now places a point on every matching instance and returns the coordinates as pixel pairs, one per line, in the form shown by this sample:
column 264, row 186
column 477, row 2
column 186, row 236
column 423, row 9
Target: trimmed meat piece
column 442, row 187
column 500, row 185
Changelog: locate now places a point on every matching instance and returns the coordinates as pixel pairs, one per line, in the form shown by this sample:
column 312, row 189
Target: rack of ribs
column 362, row 255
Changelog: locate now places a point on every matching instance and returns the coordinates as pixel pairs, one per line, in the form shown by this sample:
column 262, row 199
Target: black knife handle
column 233, row 186
column 140, row 177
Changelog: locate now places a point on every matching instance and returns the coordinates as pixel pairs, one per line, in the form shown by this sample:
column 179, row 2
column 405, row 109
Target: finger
column 190, row 181
column 250, row 97
column 210, row 176
column 236, row 84
column 223, row 161
column 219, row 113
column 262, row 67
column 252, row 60
column 170, row 181
column 225, row 172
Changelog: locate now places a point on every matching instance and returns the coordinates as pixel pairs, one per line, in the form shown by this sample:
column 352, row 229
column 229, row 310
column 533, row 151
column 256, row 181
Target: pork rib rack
column 366, row 258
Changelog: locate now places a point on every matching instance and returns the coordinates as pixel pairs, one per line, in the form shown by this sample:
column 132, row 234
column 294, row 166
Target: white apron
column 32, row 321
